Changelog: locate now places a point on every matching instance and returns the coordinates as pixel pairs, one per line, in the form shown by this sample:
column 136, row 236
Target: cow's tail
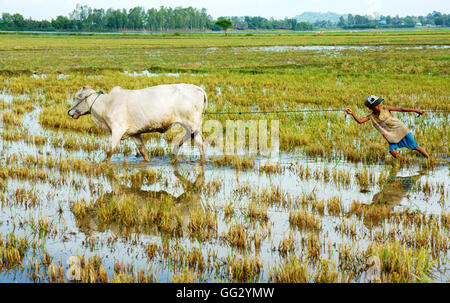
column 205, row 99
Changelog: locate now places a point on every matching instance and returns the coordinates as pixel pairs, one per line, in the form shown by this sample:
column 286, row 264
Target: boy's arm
column 360, row 121
column 402, row 109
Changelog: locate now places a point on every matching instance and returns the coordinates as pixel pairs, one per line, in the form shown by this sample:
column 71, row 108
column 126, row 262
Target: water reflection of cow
column 390, row 195
column 186, row 202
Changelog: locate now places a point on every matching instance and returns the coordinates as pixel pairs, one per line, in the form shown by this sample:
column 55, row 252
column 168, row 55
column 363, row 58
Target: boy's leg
column 395, row 154
column 423, row 152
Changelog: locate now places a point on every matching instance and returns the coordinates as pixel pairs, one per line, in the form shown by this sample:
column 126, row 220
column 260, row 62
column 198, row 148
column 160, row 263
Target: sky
column 279, row 9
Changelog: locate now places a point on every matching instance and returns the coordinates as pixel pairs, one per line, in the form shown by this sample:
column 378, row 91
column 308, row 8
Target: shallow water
column 283, row 48
column 185, row 183
column 331, row 49
column 148, row 74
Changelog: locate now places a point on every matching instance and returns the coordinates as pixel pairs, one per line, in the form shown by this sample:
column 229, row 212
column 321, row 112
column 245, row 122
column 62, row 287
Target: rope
column 274, row 111
column 297, row 111
column 98, row 95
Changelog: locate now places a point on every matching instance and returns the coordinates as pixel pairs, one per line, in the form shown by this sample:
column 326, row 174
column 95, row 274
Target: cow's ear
column 86, row 87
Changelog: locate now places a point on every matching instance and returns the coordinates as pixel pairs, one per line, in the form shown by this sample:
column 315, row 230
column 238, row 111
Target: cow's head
column 81, row 106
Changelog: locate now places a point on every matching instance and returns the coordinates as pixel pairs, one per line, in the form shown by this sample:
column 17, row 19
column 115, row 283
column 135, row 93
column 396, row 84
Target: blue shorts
column 407, row 141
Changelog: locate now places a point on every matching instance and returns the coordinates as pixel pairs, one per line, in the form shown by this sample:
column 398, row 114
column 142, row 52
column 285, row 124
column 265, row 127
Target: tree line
column 380, row 21
column 85, row 18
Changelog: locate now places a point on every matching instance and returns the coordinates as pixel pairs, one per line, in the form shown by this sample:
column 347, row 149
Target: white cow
column 130, row 113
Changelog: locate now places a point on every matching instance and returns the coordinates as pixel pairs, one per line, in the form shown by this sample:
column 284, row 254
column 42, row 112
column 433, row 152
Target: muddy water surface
column 190, row 187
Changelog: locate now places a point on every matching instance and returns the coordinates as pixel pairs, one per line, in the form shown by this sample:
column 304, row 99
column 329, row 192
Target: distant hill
column 312, row 17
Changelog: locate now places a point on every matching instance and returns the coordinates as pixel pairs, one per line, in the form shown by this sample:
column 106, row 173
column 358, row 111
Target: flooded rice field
column 291, row 219
column 331, row 206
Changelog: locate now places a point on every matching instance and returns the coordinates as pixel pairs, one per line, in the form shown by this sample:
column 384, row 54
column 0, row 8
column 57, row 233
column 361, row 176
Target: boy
column 392, row 129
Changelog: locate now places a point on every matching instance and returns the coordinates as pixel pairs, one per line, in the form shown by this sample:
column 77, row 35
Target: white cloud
column 374, row 6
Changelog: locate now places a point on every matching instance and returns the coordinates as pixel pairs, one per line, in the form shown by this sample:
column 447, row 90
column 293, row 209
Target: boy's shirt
column 392, row 129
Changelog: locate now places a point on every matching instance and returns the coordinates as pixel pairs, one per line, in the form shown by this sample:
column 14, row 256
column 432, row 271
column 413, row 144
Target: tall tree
column 224, row 24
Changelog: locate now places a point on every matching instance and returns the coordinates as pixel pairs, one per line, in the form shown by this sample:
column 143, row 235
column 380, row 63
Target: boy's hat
column 372, row 101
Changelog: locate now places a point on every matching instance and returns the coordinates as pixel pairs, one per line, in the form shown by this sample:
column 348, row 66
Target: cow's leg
column 187, row 136
column 198, row 140
column 141, row 146
column 116, row 136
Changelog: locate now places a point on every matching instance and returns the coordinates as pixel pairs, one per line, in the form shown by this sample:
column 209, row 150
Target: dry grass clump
column 356, row 208
column 12, row 251
column 243, row 190
column 327, row 273
column 304, row 220
column 127, row 274
column 273, row 196
column 151, row 250
column 243, row 269
column 350, row 259
column 365, row 178
column 257, row 237
column 237, row 236
column 23, row 197
column 142, row 177
column 79, row 209
column 49, row 271
column 55, row 273
column 374, row 214
column 187, row 275
column 304, row 173
column 400, row 264
column 68, row 165
column 286, row 245
column 432, row 237
column 22, row 173
column 296, row 269
column 92, row 270
column 270, row 169
column 313, row 246
column 11, row 118
column 14, row 135
column 195, row 260
column 125, row 212
column 348, row 229
column 318, row 206
column 334, row 206
column 293, row 270
column 228, row 210
column 237, row 162
column 341, row 177
column 157, row 151
column 445, row 219
column 383, row 178
column 257, row 211
column 212, row 188
column 202, row 225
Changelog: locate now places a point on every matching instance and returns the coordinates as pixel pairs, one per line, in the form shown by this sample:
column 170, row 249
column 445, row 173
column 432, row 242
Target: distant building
column 240, row 26
column 382, row 21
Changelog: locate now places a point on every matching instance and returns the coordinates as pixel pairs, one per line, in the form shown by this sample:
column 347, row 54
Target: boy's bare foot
column 423, row 152
column 395, row 154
